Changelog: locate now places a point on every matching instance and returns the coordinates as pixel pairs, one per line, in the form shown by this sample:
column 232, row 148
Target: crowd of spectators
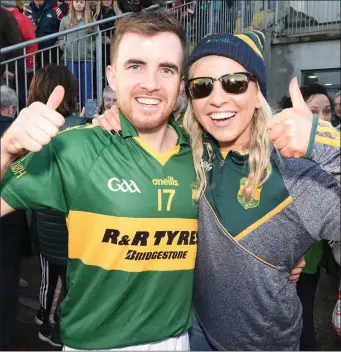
column 40, row 18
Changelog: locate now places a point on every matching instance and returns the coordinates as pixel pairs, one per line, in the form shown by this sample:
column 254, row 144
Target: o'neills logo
column 169, row 181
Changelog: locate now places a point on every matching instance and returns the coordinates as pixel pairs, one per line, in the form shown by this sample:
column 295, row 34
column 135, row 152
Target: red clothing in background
column 27, row 32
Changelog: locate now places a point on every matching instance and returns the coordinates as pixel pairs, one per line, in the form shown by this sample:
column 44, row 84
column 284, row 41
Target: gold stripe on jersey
column 328, row 141
column 162, row 158
column 78, row 127
column 264, row 219
column 132, row 244
column 328, row 129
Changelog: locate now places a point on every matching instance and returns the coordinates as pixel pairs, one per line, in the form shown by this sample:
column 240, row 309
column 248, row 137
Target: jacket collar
column 239, row 157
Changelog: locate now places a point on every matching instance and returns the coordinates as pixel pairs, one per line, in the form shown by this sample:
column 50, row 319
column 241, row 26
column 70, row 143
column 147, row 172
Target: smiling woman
column 256, row 217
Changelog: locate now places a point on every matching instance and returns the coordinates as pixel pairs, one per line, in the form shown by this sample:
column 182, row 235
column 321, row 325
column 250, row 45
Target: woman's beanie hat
column 247, row 49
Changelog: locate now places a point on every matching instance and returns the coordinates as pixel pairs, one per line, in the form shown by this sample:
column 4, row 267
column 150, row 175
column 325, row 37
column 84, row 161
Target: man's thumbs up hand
column 34, row 127
column 290, row 129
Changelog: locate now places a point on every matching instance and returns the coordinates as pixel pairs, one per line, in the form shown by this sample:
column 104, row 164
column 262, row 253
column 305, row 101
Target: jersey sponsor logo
column 133, row 244
column 254, row 202
column 115, row 184
column 135, row 255
column 144, row 238
column 169, row 181
column 18, row 169
column 165, row 239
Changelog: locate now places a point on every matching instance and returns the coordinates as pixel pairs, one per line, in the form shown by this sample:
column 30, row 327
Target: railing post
column 276, row 19
column 242, row 12
column 99, row 67
column 211, row 18
column 265, row 14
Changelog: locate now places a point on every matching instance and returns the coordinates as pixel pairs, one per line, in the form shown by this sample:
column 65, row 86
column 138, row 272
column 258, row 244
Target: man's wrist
column 6, row 159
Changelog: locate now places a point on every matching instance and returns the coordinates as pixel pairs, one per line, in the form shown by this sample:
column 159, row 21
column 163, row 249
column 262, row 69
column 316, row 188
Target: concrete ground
column 27, row 338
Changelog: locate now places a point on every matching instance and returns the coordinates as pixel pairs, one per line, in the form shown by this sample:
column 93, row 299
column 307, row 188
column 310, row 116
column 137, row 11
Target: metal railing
column 87, row 54
column 308, row 16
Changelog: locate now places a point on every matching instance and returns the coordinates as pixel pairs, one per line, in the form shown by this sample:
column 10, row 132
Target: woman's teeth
column 147, row 101
column 222, row 115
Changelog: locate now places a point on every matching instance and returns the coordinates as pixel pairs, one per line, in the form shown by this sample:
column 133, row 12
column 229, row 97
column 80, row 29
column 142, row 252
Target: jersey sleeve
column 35, row 182
column 324, row 147
column 51, row 178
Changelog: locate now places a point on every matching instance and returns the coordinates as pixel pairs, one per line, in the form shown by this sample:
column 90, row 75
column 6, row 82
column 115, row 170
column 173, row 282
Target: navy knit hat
column 247, row 49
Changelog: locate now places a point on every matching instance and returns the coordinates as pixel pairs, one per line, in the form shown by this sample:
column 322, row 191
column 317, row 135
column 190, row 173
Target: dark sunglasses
column 232, row 83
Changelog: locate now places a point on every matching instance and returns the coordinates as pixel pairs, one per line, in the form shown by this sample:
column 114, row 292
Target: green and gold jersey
column 132, row 227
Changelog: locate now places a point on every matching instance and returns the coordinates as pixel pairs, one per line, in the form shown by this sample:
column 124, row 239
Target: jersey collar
column 128, row 130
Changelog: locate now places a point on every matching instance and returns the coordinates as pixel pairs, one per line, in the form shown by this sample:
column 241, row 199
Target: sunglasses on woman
column 232, row 83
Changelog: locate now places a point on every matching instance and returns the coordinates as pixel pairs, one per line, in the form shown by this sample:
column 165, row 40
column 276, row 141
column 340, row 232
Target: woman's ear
column 259, row 98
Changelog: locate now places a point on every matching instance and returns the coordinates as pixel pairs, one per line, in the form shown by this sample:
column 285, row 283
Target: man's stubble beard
column 147, row 124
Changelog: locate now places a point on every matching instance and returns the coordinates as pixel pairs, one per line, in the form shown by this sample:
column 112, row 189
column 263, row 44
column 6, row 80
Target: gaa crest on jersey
column 115, row 184
column 254, row 202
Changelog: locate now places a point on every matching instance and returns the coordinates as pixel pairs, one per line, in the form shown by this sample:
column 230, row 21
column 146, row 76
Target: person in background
column 176, row 3
column 51, row 224
column 8, row 107
column 78, row 47
column 64, row 6
column 27, row 32
column 131, row 5
column 109, row 99
column 10, row 35
column 95, row 7
column 318, row 101
column 46, row 17
column 13, row 228
column 109, row 8
column 336, row 119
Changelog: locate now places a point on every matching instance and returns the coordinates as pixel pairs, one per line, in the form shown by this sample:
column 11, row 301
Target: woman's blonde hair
column 116, row 7
column 87, row 18
column 95, row 12
column 259, row 147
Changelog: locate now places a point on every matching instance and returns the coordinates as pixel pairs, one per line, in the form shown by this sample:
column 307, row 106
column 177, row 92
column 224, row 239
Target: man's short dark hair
column 148, row 23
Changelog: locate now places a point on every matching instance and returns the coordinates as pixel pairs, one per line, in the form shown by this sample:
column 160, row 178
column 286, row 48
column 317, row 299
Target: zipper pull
column 222, row 162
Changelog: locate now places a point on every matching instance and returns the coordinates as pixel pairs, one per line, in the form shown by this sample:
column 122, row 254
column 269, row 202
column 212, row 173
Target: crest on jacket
column 254, row 202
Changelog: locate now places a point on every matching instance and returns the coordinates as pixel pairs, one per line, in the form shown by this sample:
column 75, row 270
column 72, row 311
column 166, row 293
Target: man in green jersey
column 128, row 199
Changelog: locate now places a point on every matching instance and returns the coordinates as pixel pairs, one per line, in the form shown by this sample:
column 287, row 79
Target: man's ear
column 111, row 76
column 182, row 85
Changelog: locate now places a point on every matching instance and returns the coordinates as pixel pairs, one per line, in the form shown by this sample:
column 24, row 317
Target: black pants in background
column 49, row 277
column 306, row 289
column 13, row 228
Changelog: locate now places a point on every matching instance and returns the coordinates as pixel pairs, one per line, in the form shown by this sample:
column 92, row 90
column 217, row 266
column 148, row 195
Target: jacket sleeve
column 324, row 147
column 59, row 13
column 29, row 34
column 12, row 36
